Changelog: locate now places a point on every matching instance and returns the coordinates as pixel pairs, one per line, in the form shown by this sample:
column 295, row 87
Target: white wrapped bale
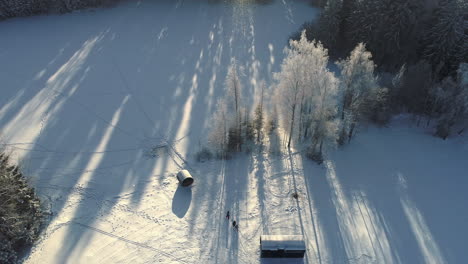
column 185, row 178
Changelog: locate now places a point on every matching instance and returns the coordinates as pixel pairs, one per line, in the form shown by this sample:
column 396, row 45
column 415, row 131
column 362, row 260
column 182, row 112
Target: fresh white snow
column 102, row 108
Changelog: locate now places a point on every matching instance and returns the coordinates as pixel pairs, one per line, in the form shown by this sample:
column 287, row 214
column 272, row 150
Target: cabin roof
column 286, row 242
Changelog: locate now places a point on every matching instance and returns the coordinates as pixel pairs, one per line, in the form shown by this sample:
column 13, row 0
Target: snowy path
column 103, row 107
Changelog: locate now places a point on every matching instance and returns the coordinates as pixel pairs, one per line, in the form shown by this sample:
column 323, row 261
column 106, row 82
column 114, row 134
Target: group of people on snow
column 235, row 225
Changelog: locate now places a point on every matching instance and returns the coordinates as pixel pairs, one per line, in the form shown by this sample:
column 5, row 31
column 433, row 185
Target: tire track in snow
column 87, row 193
column 138, row 244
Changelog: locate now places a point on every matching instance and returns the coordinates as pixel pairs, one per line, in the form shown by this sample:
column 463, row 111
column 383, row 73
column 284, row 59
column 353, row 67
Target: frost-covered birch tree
column 359, row 90
column 289, row 87
column 305, row 92
column 324, row 124
column 451, row 99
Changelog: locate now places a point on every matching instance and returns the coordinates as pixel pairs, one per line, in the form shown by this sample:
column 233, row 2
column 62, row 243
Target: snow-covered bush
column 204, row 154
column 20, row 212
column 258, row 122
column 249, row 129
column 271, row 126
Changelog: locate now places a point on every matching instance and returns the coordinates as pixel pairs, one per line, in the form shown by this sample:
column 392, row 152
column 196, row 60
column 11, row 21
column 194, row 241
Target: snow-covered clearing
column 87, row 97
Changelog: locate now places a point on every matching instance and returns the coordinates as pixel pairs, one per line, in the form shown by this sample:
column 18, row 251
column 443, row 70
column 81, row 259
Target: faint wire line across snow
column 95, row 114
column 81, row 171
column 314, row 220
column 88, row 193
column 127, row 87
column 62, row 152
column 138, row 244
column 362, row 201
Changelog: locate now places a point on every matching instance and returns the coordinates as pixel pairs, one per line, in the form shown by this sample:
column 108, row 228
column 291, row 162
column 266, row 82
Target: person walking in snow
column 227, row 215
column 234, row 224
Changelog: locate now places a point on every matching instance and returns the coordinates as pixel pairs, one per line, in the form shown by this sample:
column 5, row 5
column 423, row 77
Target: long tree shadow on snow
column 139, row 170
column 97, row 156
column 381, row 206
column 403, row 211
column 93, row 163
column 327, row 239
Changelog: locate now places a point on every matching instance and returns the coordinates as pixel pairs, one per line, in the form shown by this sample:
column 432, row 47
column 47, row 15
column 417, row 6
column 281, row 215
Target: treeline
column 312, row 108
column 21, row 214
column 397, row 32
column 20, row 8
column 422, row 43
column 307, row 105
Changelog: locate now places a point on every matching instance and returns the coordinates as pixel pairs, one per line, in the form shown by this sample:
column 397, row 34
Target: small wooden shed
column 282, row 246
column 185, row 178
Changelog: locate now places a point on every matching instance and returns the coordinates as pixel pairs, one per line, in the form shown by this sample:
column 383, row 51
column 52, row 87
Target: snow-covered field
column 87, row 97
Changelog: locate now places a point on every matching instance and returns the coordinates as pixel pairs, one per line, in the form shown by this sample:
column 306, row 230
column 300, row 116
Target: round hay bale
column 185, row 178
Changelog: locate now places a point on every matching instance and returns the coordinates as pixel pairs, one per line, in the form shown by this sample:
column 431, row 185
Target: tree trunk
column 300, row 118
column 351, row 131
column 240, row 134
column 418, row 121
column 461, row 131
column 342, row 109
column 238, row 114
column 342, row 136
column 291, row 130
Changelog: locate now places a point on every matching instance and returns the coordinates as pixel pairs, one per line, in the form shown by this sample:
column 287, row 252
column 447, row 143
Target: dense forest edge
column 399, row 57
column 15, row 8
column 21, row 213
column 421, row 43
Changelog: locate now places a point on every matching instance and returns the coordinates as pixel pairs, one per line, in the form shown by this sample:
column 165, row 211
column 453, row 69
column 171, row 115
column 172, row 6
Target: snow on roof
column 286, row 242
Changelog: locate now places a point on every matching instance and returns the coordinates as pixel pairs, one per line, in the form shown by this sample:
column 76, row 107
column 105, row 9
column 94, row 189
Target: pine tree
column 21, row 214
column 388, row 27
column 414, row 86
column 451, row 99
column 446, row 40
column 329, row 23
